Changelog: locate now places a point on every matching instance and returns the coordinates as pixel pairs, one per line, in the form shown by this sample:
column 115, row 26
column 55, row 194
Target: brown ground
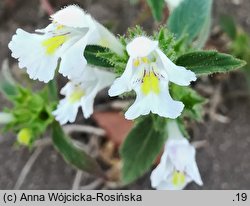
column 224, row 164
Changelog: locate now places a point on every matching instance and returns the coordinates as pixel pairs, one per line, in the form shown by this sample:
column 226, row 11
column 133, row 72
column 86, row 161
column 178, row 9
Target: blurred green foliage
column 240, row 41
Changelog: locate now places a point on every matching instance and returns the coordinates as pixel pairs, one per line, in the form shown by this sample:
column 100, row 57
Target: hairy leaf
column 203, row 34
column 208, row 62
column 156, row 8
column 72, row 153
column 142, row 146
column 191, row 99
column 167, row 43
column 189, row 18
column 91, row 55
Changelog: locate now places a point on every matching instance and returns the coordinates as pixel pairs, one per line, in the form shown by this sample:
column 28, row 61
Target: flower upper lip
column 73, row 16
column 146, row 47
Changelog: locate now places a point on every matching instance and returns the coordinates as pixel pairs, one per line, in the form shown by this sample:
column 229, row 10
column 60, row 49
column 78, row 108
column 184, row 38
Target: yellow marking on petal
column 136, row 62
column 76, row 95
column 150, row 83
column 53, row 43
column 178, row 179
column 24, row 136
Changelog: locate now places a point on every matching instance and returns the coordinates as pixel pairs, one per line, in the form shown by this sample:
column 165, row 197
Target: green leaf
column 167, row 43
column 52, row 90
column 189, row 18
column 228, row 25
column 7, row 85
column 134, row 2
column 91, row 55
column 209, row 62
column 191, row 99
column 240, row 47
column 9, row 90
column 182, row 127
column 73, row 154
column 157, row 7
column 203, row 34
column 141, row 147
column 117, row 63
column 31, row 110
column 132, row 33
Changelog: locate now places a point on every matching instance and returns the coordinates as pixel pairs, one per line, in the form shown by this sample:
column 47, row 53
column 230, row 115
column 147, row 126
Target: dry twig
column 43, row 142
column 77, row 180
column 69, row 129
column 93, row 185
column 200, row 144
column 91, row 148
column 47, row 7
column 27, row 167
column 215, row 102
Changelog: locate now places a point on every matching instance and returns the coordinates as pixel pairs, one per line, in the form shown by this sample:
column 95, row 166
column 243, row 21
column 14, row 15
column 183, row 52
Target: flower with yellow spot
column 148, row 73
column 65, row 38
column 81, row 93
column 177, row 167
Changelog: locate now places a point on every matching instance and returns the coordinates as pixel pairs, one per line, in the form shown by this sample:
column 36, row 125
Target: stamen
column 145, row 60
column 136, row 62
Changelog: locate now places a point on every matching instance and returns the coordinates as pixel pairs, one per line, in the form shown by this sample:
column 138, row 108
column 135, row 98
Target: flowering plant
column 155, row 73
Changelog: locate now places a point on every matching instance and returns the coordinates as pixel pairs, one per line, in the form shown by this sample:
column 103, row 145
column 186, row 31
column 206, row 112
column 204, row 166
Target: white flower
column 82, row 94
column 5, row 118
column 172, row 4
column 148, row 72
column 177, row 167
column 65, row 38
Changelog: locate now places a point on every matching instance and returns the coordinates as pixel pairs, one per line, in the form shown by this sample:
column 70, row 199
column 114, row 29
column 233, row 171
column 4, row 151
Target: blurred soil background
column 224, row 161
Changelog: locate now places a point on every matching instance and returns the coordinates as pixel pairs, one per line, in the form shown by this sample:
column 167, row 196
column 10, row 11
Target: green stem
column 52, row 86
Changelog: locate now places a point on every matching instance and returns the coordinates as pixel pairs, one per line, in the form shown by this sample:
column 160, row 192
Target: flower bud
column 24, row 136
